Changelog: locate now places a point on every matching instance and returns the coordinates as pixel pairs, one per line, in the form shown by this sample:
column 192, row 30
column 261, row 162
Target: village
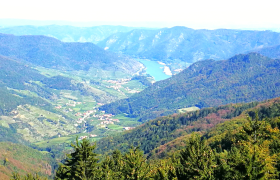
column 85, row 117
column 118, row 84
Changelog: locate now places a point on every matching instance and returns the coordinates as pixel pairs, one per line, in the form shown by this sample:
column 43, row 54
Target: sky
column 209, row 14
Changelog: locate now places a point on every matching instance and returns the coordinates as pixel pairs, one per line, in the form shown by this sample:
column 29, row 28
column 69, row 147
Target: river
column 155, row 69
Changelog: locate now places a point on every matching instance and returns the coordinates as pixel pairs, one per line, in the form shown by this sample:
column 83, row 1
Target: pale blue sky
column 195, row 14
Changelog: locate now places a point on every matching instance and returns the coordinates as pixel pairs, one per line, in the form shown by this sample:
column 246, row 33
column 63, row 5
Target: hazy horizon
column 201, row 14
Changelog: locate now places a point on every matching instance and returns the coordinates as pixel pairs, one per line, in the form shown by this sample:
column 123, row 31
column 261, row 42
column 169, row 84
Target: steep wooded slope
column 242, row 78
column 157, row 137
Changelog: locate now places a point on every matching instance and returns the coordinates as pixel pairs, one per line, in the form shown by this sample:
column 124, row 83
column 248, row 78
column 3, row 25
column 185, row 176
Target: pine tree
column 112, row 167
column 81, row 164
column 197, row 160
column 135, row 165
column 250, row 157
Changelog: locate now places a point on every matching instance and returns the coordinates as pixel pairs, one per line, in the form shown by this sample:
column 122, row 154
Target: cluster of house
column 91, row 136
column 106, row 118
column 119, row 81
column 73, row 104
column 128, row 128
column 114, row 87
column 85, row 115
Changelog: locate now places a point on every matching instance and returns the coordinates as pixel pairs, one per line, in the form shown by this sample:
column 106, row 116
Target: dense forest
column 154, row 135
column 209, row 83
column 248, row 148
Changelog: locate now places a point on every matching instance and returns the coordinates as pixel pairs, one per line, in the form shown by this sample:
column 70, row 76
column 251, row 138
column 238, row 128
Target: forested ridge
column 51, row 53
column 209, row 83
column 162, row 130
column 244, row 147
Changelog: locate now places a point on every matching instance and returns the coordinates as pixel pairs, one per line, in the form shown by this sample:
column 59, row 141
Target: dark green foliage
column 162, row 130
column 81, row 164
column 197, row 160
column 29, row 176
column 143, row 80
column 59, row 82
column 242, row 78
column 135, row 166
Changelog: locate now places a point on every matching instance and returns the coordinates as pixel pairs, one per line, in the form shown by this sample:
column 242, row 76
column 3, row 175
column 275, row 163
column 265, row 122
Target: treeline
column 162, row 130
column 209, row 83
column 250, row 152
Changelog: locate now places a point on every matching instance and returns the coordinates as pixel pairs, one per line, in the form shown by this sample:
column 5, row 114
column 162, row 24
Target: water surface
column 154, row 69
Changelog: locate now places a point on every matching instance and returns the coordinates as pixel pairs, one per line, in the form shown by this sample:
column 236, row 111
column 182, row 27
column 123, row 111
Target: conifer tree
column 197, row 160
column 81, row 164
column 111, row 167
column 250, row 158
column 135, row 165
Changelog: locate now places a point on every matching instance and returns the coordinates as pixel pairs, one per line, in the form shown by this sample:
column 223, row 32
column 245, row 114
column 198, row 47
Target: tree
column 112, row 166
column 197, row 160
column 250, row 157
column 81, row 164
column 28, row 176
column 135, row 165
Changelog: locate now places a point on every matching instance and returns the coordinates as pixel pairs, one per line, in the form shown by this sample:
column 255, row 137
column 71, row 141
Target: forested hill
column 242, row 78
column 163, row 134
column 52, row 53
column 187, row 44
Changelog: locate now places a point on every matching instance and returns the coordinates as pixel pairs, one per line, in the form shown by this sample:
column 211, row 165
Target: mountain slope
column 242, row 78
column 272, row 52
column 15, row 75
column 187, row 44
column 163, row 134
column 23, row 159
column 68, row 33
column 52, row 53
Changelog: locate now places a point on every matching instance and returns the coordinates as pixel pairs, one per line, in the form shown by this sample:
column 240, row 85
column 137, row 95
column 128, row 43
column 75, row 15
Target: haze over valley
column 94, row 92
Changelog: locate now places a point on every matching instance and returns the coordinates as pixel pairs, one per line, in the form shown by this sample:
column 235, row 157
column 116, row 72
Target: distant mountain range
column 242, row 78
column 188, row 45
column 66, row 33
column 52, row 53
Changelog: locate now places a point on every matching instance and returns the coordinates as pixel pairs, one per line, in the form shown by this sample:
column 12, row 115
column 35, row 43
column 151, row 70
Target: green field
column 189, row 109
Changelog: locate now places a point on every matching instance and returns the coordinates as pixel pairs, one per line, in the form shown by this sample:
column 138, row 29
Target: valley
column 120, row 87
column 74, row 111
